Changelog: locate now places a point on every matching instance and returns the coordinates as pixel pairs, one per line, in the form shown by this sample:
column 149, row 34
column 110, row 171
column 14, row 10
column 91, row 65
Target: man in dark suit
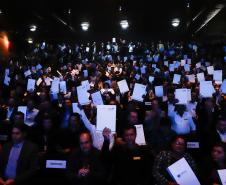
column 84, row 166
column 18, row 159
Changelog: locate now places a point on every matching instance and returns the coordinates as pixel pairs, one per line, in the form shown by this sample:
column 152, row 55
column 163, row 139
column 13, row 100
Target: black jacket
column 27, row 164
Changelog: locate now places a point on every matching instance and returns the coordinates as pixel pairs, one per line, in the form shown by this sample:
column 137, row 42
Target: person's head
column 193, row 96
column 74, row 120
column 85, row 141
column 11, row 102
column 178, row 144
column 155, row 105
column 47, row 123
column 180, row 109
column 18, row 117
column 30, row 105
column 218, row 153
column 221, row 124
column 18, row 133
column 130, row 135
column 209, row 104
column 133, row 117
column 106, row 85
column 67, row 103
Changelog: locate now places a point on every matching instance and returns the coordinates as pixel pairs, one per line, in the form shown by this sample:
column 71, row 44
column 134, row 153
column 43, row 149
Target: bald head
column 85, row 141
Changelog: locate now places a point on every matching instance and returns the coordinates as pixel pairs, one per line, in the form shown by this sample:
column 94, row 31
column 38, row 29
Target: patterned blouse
column 162, row 161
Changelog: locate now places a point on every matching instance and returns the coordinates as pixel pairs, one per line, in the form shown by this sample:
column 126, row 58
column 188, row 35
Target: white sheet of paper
column 201, row 77
column 193, row 145
column 63, row 87
column 56, row 164
column 75, row 108
column 166, row 63
column 182, row 173
column 223, row 87
column 183, row 62
column 137, row 77
column 39, row 81
column 7, row 80
column 82, row 95
column 106, row 117
column 189, row 61
column 85, row 73
column 222, row 175
column 206, row 89
column 6, row 72
column 48, row 81
column 191, row 78
column 123, row 86
column 97, row 98
column 159, row 91
column 171, row 67
column 176, row 79
column 151, row 79
column 182, row 95
column 113, row 39
column 140, row 139
column 143, row 70
column 37, row 67
column 138, row 92
column 153, row 65
column 55, row 86
column 27, row 73
column 210, row 70
column 198, row 65
column 217, row 75
column 22, row 109
column 86, row 84
column 187, row 67
column 30, row 85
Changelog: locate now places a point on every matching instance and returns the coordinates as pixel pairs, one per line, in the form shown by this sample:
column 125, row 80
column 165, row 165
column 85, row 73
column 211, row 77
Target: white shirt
column 182, row 125
column 30, row 117
column 98, row 138
column 222, row 136
column 191, row 108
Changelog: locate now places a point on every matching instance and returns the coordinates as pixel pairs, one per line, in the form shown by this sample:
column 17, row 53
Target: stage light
column 6, row 42
column 175, row 22
column 85, row 26
column 30, row 41
column 33, row 28
column 124, row 24
column 1, row 12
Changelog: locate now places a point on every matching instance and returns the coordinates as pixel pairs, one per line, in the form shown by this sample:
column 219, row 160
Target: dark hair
column 175, row 137
column 86, row 132
column 130, row 126
column 21, row 126
column 222, row 145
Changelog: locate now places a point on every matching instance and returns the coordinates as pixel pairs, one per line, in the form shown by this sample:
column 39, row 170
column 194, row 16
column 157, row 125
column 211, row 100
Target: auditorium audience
column 106, row 157
column 18, row 159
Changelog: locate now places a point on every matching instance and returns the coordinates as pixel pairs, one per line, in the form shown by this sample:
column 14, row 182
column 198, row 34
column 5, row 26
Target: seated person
column 84, row 166
column 216, row 162
column 131, row 162
column 18, row 159
column 165, row 158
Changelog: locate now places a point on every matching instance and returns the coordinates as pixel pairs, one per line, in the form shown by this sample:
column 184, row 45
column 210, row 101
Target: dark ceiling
column 147, row 18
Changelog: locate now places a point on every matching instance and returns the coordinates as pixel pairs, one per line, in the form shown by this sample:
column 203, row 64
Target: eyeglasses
column 83, row 143
column 179, row 143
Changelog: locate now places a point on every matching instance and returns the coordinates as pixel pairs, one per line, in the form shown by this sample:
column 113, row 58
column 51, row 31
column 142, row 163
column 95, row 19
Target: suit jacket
column 27, row 163
column 78, row 160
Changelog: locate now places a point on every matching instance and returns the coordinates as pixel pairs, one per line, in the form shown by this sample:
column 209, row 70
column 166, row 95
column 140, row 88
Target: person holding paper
column 215, row 163
column 7, row 113
column 97, row 137
column 84, row 166
column 31, row 114
column 131, row 162
column 181, row 121
column 165, row 158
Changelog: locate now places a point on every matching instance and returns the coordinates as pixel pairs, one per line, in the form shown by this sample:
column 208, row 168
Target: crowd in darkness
column 51, row 130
